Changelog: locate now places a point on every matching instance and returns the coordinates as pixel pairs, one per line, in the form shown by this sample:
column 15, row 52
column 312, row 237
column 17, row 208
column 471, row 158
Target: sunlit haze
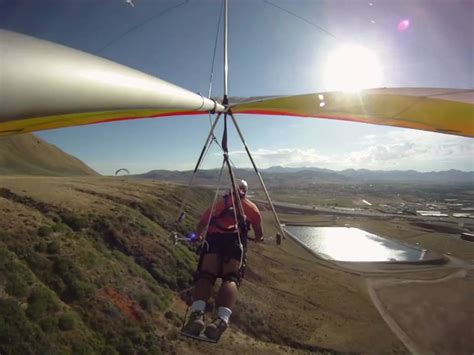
column 351, row 68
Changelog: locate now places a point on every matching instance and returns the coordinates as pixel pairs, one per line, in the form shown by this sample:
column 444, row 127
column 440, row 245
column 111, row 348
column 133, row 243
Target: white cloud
column 408, row 149
column 397, row 149
column 285, row 157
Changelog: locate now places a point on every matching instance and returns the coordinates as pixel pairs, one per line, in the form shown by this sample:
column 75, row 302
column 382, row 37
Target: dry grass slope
column 27, row 154
column 86, row 267
column 96, row 253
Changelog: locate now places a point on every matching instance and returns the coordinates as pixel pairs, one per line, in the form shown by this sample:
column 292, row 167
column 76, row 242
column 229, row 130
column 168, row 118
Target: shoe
column 195, row 324
column 215, row 329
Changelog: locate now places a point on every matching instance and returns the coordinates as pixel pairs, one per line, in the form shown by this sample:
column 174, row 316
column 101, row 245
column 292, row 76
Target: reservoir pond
column 352, row 244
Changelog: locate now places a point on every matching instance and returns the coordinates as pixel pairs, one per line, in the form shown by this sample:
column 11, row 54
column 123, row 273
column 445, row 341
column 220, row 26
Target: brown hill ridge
column 26, row 154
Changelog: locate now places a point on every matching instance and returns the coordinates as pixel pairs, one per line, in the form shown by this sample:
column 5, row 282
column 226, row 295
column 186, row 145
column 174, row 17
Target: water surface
column 352, row 244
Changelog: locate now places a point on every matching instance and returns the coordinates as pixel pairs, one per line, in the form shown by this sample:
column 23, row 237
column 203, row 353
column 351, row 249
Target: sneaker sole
column 209, row 335
column 194, row 329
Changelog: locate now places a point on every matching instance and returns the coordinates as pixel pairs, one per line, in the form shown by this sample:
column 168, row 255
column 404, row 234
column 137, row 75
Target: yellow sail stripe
column 83, row 118
column 418, row 112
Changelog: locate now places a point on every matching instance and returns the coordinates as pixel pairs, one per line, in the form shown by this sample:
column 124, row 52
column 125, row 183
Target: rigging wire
column 213, row 140
column 237, row 213
column 327, row 32
column 212, row 64
column 141, row 24
column 301, row 18
column 210, row 139
column 215, row 50
column 216, row 195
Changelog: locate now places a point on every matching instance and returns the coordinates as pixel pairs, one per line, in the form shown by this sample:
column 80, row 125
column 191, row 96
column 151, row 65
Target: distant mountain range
column 26, row 154
column 300, row 177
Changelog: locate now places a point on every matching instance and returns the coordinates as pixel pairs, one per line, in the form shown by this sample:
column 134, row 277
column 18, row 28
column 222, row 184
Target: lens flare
column 403, row 25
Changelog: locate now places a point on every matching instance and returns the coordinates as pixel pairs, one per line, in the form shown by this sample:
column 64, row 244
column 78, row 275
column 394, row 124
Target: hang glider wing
column 439, row 110
column 44, row 85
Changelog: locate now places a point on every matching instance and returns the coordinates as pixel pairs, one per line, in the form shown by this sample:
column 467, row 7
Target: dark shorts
column 226, row 246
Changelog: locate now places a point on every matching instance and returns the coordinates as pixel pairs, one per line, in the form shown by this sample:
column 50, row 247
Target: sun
column 352, row 68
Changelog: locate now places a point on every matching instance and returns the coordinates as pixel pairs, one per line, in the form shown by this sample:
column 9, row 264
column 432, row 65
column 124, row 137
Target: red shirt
column 227, row 221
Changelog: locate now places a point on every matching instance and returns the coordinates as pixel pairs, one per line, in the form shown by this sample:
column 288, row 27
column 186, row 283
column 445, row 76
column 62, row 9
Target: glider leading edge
column 76, row 83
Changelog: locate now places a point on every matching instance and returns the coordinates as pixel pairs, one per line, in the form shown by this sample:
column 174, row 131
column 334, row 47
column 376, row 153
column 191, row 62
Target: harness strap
column 226, row 212
column 205, row 275
column 214, row 202
column 232, row 277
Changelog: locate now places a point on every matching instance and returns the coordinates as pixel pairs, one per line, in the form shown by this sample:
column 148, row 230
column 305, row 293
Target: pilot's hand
column 194, row 238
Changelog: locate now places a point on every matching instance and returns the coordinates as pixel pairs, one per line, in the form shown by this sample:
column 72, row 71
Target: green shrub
column 54, row 247
column 173, row 318
column 169, row 315
column 41, row 247
column 80, row 290
column 110, row 350
column 154, row 350
column 40, row 265
column 37, row 262
column 17, row 334
column 65, row 269
column 16, row 285
column 76, row 223
column 184, row 279
column 61, row 228
column 111, row 311
column 163, row 277
column 146, row 302
column 88, row 259
column 135, row 334
column 44, row 231
column 102, row 225
column 40, row 303
column 71, row 276
column 84, row 349
column 49, row 324
column 162, row 303
column 157, row 290
column 173, row 334
column 66, row 322
column 125, row 346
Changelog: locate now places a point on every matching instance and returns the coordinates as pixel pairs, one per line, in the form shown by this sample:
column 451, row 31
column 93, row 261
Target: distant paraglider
column 122, row 172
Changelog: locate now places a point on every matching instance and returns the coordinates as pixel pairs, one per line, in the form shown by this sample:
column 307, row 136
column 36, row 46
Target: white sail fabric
column 41, row 79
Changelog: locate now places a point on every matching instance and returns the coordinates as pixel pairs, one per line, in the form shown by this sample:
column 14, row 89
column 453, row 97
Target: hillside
column 87, row 267
column 90, row 269
column 26, row 154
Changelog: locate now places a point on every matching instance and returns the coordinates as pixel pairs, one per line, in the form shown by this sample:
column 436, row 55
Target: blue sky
column 276, row 47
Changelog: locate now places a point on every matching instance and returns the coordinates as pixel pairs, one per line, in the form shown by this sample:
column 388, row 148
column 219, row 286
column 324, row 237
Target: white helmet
column 243, row 187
